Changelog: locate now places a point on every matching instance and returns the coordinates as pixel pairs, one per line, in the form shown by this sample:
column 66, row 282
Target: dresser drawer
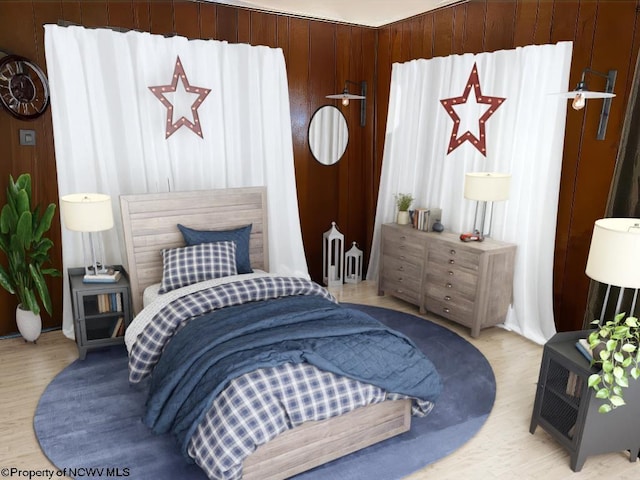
column 402, row 248
column 408, row 289
column 453, row 256
column 459, row 296
column 394, row 267
column 459, row 312
column 453, row 277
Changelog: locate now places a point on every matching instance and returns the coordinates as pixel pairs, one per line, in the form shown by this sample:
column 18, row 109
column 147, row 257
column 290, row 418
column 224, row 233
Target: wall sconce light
column 345, row 96
column 581, row 94
column 614, row 256
column 486, row 188
column 89, row 213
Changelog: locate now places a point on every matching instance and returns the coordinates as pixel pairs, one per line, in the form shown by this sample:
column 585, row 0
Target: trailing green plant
column 403, row 201
column 22, row 240
column 615, row 347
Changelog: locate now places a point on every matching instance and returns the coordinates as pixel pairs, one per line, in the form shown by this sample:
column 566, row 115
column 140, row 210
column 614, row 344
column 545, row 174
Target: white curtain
column 111, row 130
column 524, row 137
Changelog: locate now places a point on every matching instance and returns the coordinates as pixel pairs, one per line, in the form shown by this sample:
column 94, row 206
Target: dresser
column 470, row 283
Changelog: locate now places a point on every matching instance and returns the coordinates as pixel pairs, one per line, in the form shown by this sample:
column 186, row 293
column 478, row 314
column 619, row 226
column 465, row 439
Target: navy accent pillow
column 187, row 265
column 238, row 235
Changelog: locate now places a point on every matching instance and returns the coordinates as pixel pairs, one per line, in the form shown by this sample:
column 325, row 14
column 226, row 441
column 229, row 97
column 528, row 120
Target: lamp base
column 106, row 275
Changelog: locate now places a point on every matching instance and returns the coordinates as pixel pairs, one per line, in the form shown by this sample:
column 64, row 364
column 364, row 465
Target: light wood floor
column 502, row 449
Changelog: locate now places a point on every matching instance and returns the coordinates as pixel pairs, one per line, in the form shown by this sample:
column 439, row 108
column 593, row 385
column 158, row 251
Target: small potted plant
column 22, row 240
column 403, row 202
column 615, row 351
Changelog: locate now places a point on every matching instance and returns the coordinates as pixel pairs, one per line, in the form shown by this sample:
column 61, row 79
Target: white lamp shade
column 86, row 212
column 487, row 186
column 614, row 255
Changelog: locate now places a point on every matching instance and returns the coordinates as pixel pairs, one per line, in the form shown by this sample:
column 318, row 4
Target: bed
column 150, row 224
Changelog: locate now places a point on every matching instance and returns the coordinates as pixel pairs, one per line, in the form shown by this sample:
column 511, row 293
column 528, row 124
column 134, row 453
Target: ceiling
column 372, row 13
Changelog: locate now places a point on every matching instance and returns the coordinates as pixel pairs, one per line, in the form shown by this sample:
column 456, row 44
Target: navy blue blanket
column 215, row 348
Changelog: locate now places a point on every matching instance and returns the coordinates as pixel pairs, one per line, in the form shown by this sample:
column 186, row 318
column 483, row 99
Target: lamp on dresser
column 614, row 259
column 89, row 213
column 485, row 188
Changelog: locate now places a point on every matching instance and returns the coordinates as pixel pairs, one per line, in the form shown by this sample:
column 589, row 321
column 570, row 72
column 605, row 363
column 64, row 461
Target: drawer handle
column 447, row 298
column 449, row 285
column 403, row 237
column 450, row 273
column 400, row 279
column 452, row 261
column 452, row 251
column 446, row 310
column 401, row 268
column 402, row 257
column 398, row 290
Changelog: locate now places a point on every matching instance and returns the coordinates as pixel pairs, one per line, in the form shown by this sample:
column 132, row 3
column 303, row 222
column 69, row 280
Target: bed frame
column 150, row 224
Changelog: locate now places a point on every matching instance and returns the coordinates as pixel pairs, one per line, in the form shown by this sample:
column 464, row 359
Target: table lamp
column 614, row 258
column 89, row 213
column 485, row 188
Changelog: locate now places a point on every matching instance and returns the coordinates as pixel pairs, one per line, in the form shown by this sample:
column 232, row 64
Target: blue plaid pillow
column 238, row 235
column 197, row 263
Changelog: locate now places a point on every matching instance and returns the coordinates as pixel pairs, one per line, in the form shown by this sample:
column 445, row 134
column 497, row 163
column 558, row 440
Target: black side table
column 567, row 409
column 101, row 311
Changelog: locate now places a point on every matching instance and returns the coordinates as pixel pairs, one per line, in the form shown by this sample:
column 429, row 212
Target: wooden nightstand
column 101, row 311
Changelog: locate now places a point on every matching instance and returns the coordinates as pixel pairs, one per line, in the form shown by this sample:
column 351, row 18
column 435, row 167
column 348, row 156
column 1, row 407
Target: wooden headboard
column 150, row 224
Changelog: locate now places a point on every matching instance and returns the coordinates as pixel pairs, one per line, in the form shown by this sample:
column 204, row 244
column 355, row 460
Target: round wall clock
column 24, row 90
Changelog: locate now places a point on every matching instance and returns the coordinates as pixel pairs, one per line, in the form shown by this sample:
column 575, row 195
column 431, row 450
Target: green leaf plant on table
column 615, row 350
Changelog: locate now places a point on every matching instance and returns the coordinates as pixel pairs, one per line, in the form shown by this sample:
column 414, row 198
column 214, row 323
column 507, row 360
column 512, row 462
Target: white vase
column 403, row 218
column 29, row 324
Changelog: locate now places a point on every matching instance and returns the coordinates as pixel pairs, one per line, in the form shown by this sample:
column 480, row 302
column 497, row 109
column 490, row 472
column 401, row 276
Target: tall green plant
column 22, row 240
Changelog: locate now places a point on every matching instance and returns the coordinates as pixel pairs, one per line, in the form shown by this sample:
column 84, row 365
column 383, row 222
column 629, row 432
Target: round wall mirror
column 328, row 134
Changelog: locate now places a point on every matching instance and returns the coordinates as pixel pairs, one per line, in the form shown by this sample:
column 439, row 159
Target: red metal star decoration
column 448, row 103
column 159, row 91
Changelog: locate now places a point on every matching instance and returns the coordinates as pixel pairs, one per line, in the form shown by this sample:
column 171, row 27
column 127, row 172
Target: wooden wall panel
column 121, row 14
column 227, row 23
column 161, row 17
column 499, row 26
column 141, row 15
column 186, row 19
column 94, row 14
column 602, row 33
column 319, row 57
column 207, row 19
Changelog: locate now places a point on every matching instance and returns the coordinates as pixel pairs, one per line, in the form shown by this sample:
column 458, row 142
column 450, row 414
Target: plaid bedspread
column 257, row 406
column 146, row 351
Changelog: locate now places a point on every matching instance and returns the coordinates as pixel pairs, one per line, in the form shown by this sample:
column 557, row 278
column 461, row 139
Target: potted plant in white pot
column 403, row 202
column 23, row 242
column 614, row 346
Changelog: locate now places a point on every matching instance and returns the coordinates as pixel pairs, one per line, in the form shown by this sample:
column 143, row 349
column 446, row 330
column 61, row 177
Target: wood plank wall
column 320, row 56
column 605, row 36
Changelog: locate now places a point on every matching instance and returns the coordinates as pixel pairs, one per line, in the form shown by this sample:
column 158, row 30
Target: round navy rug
column 89, row 416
